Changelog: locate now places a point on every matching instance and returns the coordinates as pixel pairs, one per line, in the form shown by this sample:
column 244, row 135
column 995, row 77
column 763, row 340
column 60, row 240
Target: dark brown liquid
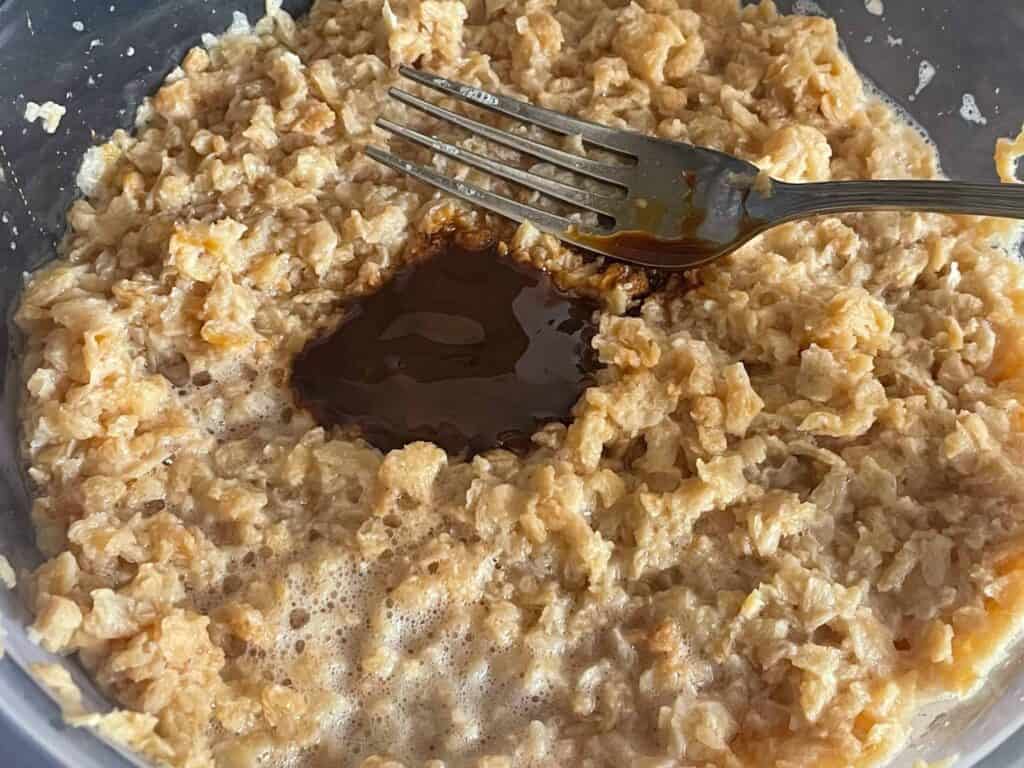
column 467, row 349
column 641, row 248
column 684, row 252
column 691, row 248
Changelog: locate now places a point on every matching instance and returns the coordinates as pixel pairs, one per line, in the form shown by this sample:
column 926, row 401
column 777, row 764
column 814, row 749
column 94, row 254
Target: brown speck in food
column 154, row 506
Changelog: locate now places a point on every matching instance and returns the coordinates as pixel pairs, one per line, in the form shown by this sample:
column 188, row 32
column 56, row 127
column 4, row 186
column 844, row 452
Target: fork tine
column 554, row 121
column 615, row 174
column 549, row 222
column 564, row 229
column 591, row 201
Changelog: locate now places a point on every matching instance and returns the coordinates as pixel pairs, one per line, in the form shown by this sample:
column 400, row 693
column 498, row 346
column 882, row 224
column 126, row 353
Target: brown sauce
column 701, row 231
column 641, row 248
column 466, row 348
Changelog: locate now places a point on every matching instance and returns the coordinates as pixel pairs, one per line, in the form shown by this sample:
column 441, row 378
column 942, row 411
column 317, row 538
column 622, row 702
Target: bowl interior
column 102, row 71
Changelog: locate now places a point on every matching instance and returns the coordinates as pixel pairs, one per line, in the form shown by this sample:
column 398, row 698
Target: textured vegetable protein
column 786, row 513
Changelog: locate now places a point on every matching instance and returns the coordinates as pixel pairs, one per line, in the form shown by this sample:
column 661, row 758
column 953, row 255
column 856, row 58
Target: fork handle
column 791, row 201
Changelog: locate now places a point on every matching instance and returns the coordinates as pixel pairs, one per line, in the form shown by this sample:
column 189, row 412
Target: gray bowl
column 45, row 55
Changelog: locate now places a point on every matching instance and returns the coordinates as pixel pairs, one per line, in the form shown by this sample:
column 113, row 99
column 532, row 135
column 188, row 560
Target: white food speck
column 893, row 41
column 239, row 24
column 130, row 51
column 969, row 111
column 77, row 26
column 28, row 22
column 869, row 38
column 874, row 7
column 925, row 74
column 95, row 43
column 49, row 112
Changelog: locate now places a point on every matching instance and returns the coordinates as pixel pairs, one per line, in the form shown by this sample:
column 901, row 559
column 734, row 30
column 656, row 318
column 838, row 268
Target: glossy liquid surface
column 467, row 349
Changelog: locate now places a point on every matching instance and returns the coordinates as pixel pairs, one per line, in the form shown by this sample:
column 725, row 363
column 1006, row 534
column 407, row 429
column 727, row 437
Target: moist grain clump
column 787, row 512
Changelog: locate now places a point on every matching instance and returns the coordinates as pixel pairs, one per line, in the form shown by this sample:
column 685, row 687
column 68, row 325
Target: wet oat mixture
column 787, row 511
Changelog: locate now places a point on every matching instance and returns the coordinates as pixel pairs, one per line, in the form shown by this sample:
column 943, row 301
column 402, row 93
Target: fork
column 665, row 204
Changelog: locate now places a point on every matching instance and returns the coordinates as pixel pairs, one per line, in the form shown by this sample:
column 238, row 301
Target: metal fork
column 668, row 204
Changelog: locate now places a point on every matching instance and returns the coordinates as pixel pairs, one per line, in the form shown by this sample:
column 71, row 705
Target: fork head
column 660, row 203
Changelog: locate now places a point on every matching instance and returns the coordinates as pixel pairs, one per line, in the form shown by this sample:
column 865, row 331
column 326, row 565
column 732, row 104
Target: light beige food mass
column 789, row 511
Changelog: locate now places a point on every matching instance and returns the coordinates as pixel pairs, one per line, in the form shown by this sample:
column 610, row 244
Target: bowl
column 101, row 57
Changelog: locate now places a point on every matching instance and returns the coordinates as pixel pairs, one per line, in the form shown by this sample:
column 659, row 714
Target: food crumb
column 78, row 26
column 7, row 577
column 970, row 112
column 130, row 729
column 49, row 112
column 57, row 680
column 1008, row 152
column 874, row 7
